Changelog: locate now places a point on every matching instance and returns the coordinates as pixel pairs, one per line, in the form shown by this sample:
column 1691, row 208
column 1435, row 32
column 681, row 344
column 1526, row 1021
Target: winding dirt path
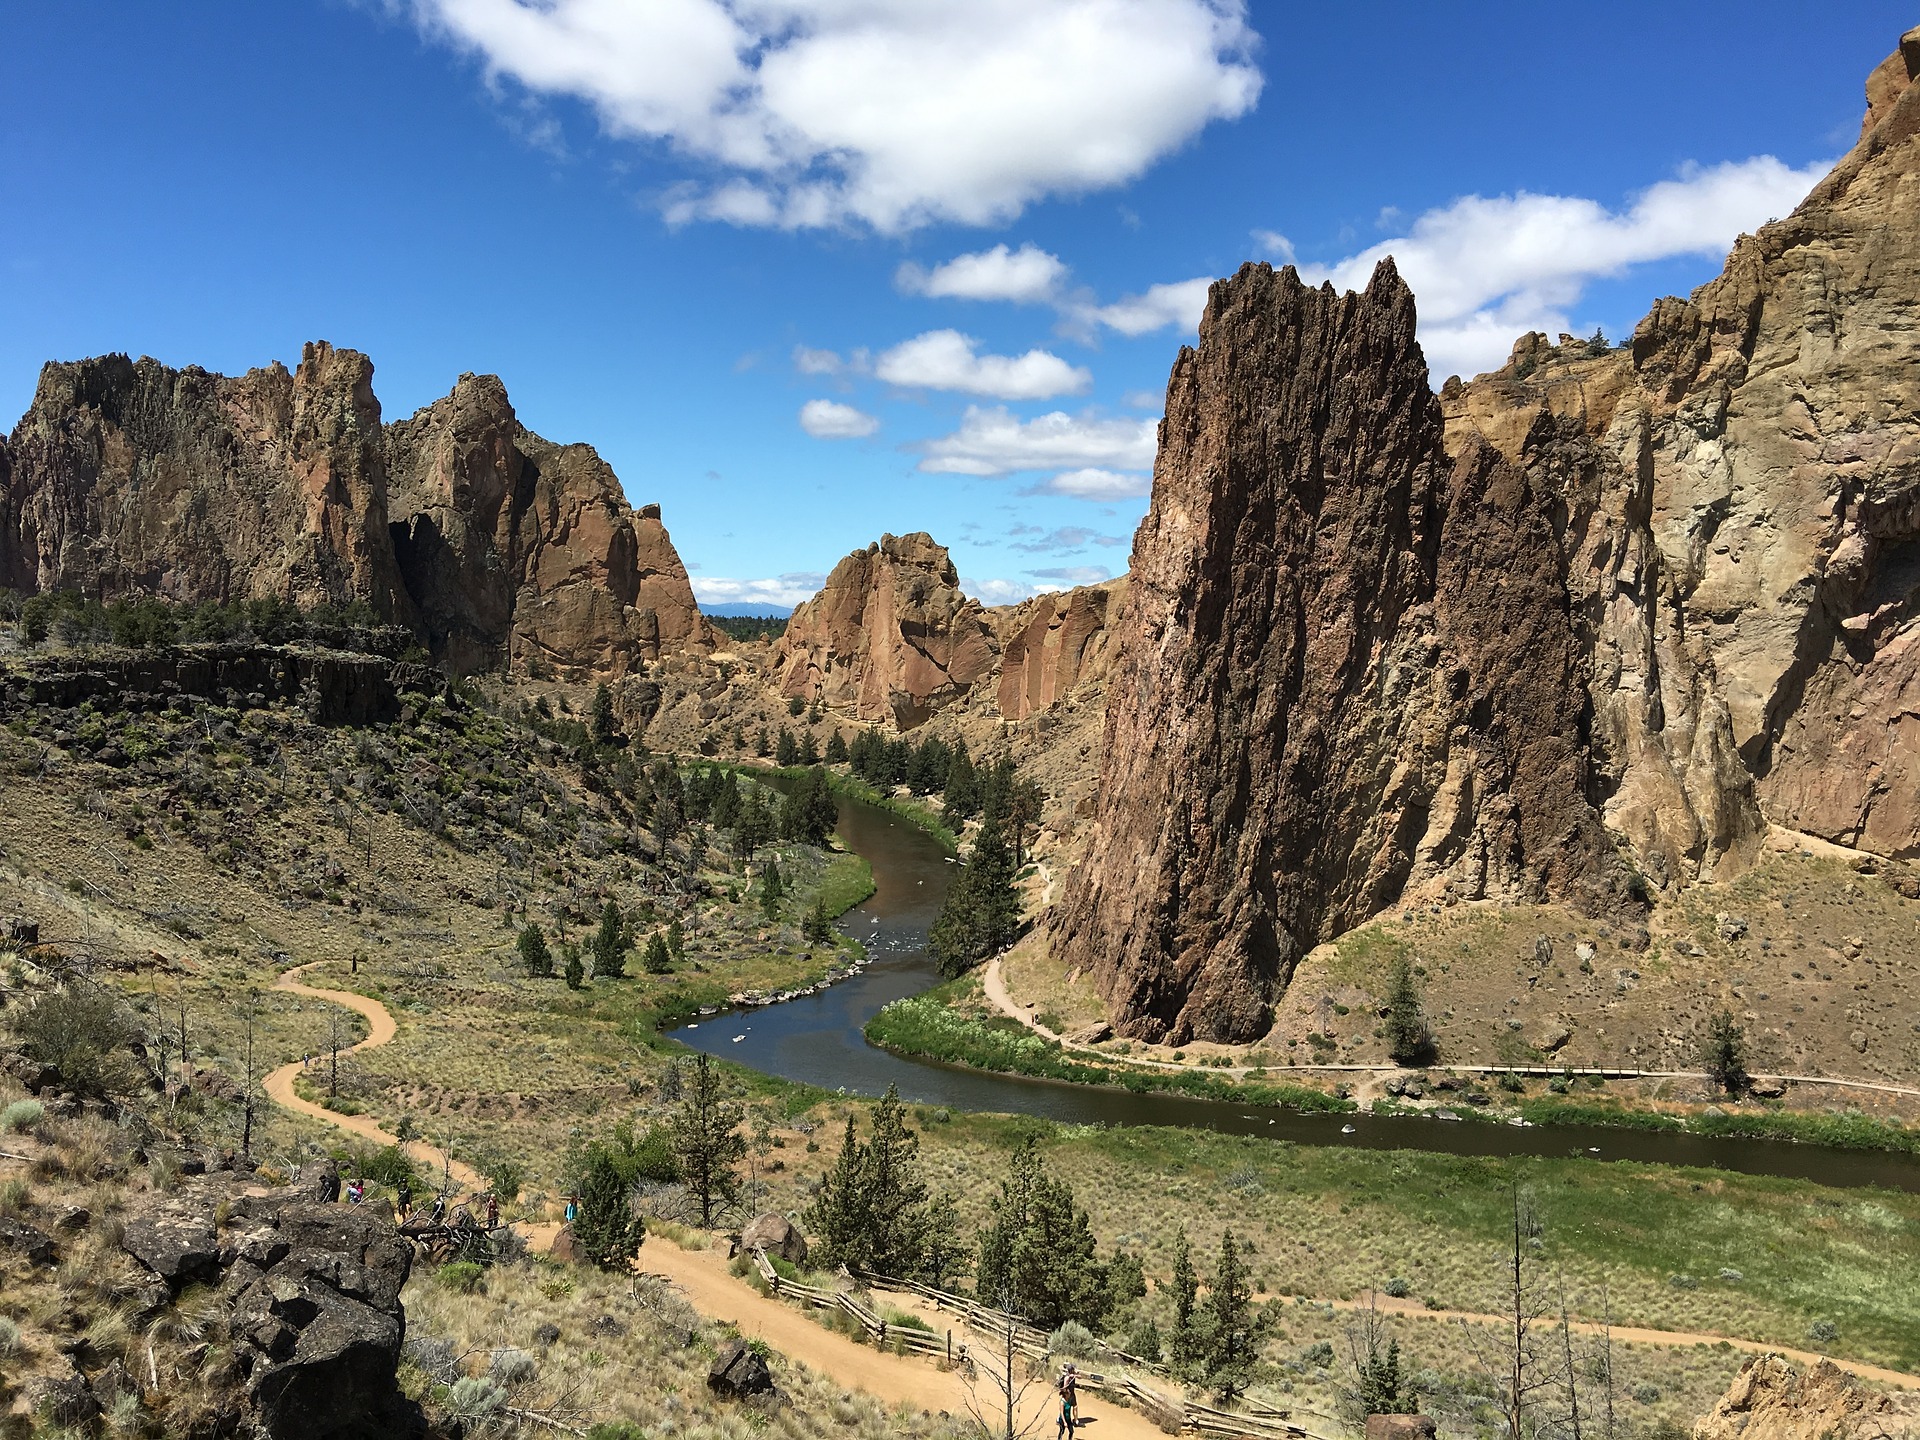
column 897, row 1380
column 380, row 1030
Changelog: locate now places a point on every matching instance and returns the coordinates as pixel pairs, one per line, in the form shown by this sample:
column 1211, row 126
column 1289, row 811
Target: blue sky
column 716, row 238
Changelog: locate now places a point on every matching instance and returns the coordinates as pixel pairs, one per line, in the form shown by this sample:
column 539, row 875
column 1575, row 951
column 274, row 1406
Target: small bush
column 85, row 1035
column 462, row 1275
column 473, row 1399
column 1823, row 1332
column 1683, row 1282
column 1399, row 1287
column 1731, row 1276
column 511, row 1366
column 9, row 1337
column 1073, row 1340
column 433, row 1357
column 22, row 1116
column 1645, row 1393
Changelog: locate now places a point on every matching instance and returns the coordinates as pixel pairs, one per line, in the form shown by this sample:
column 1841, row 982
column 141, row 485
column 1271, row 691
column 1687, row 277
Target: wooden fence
column 1172, row 1414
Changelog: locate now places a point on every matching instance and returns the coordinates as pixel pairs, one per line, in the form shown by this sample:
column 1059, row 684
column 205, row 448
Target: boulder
column 738, row 1372
column 1552, row 1036
column 64, row 1398
column 19, row 930
column 177, row 1242
column 1767, row 1087
column 22, row 1239
column 1401, row 1427
column 1771, row 1400
column 1091, row 1034
column 777, row 1235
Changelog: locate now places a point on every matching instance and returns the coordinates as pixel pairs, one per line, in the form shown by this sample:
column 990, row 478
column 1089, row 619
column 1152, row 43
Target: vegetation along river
column 818, row 1040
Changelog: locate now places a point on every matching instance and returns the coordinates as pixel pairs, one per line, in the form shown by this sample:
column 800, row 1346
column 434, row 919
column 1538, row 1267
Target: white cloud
column 789, row 589
column 994, row 441
column 1179, row 303
column 889, row 113
column 1272, row 242
column 999, row 592
column 830, row 420
column 1097, row 484
column 1486, row 270
column 1026, row 276
column 1074, row 574
column 1062, row 541
column 946, row 360
column 809, row 361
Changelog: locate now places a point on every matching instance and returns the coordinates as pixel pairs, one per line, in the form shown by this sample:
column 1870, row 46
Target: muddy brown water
column 819, row 1040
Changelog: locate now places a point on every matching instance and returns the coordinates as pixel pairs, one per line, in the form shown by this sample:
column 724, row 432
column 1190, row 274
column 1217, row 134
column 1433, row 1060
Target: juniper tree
column 981, row 912
column 534, row 954
column 1185, row 1345
column 1231, row 1350
column 1724, row 1055
column 602, row 723
column 836, row 749
column 609, row 944
column 706, row 1140
column 1038, row 1248
column 659, row 957
column 606, row 1229
column 1409, row 1039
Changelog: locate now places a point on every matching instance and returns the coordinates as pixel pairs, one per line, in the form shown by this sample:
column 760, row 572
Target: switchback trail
column 894, row 1379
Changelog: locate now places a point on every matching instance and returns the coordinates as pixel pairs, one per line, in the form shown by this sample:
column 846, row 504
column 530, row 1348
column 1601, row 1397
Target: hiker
column 439, row 1211
column 403, row 1198
column 573, row 1208
column 493, row 1211
column 356, row 1191
column 1069, row 1404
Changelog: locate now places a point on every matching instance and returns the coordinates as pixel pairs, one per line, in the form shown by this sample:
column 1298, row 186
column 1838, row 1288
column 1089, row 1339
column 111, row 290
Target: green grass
column 848, row 880
column 1846, row 1132
column 929, row 1026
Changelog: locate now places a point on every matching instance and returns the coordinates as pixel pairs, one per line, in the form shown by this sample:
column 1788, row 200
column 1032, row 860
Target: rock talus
column 1321, row 693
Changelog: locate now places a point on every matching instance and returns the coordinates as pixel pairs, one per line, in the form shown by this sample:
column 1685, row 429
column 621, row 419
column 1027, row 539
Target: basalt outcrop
column 493, row 545
column 1052, row 644
column 1346, row 666
column 1582, row 627
column 890, row 637
column 1771, row 1400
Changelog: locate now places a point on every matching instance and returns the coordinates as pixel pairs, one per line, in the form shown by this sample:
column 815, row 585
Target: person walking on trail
column 356, row 1191
column 403, row 1199
column 1069, row 1404
column 493, row 1211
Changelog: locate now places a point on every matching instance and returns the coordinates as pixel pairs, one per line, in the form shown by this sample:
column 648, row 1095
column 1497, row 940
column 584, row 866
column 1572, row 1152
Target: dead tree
column 1525, row 1364
column 1011, row 1378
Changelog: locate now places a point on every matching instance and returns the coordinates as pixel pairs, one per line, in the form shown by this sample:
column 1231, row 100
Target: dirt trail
column 279, row 1084
column 895, row 1379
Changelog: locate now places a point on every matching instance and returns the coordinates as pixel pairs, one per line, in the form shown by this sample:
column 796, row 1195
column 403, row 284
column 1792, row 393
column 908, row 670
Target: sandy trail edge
column 702, row 1274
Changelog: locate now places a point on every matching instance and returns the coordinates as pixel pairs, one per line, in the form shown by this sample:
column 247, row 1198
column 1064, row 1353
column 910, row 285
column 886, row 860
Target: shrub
column 82, row 1034
column 473, row 1400
column 1073, row 1340
column 1646, row 1393
column 9, row 1337
column 1399, row 1287
column 511, row 1366
column 1823, row 1332
column 462, row 1275
column 21, row 1116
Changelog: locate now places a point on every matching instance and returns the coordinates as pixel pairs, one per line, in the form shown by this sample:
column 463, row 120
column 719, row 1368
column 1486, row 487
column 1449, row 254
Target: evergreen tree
column 1025, row 801
column 609, row 945
column 962, row 790
column 659, row 959
column 927, row 770
column 1378, row 1383
column 1724, row 1055
column 809, row 814
column 676, row 939
column 772, row 887
column 786, row 751
column 606, row 1230
column 760, row 745
column 534, row 954
column 1186, row 1347
column 1409, row 1040
column 706, row 1140
column 575, row 972
column 809, row 749
column 601, row 722
column 1036, row 1253
column 725, row 809
column 896, row 1196
column 836, row 749
column 1232, row 1344
column 1126, row 1281
column 837, row 1219
column 981, row 913
column 818, row 925
column 754, row 827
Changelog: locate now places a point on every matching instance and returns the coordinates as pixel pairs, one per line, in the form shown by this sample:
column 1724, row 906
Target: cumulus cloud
column 947, row 360
column 1062, row 541
column 1093, row 483
column 1178, row 303
column 992, row 440
column 887, row 113
column 998, row 592
column 830, row 420
column 1026, row 276
column 788, row 589
column 1487, row 269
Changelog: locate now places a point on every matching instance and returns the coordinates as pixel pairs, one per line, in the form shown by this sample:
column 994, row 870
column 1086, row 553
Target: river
column 819, row 1040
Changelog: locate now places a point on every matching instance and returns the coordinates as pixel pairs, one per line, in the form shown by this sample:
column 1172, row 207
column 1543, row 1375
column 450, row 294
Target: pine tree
column 575, row 972
column 1232, row 1348
column 786, row 751
column 760, row 745
column 809, row 749
column 896, row 1196
column 836, row 749
column 810, row 811
column 609, row 945
column 1037, row 1251
column 676, row 939
column 724, row 812
column 659, row 958
column 606, row 1230
column 962, row 789
column 1409, row 1040
column 818, row 926
column 1185, row 1346
column 837, row 1219
column 981, row 913
column 1724, row 1056
column 602, row 723
column 534, row 954
column 772, row 887
column 706, row 1140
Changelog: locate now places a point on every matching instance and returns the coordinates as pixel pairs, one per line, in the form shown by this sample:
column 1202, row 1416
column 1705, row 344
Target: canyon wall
column 1576, row 630
column 130, row 477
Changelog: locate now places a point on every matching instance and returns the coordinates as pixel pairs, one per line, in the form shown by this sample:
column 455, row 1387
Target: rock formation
column 1048, row 645
column 1652, row 598
column 889, row 637
column 1770, row 1400
column 1346, row 665
column 128, row 477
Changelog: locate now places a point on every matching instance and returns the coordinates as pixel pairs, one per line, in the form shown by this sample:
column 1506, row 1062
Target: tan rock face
column 133, row 477
column 1347, row 666
column 1742, row 492
column 1771, row 1400
column 1051, row 644
column 130, row 477
column 889, row 637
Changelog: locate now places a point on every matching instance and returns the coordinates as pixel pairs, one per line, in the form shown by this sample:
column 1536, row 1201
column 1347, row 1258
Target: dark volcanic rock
column 738, row 1372
column 24, row 1240
column 1345, row 667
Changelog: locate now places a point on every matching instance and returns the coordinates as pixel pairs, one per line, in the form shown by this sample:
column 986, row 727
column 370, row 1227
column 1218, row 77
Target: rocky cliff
column 1604, row 608
column 1771, row 1400
column 129, row 477
column 1052, row 644
column 1346, row 667
column 889, row 637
